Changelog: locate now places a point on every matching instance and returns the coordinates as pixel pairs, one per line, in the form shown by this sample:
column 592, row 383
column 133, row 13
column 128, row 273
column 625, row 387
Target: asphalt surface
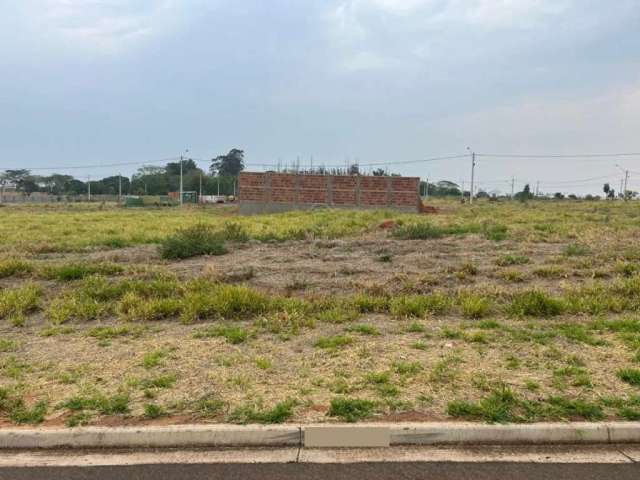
column 369, row 471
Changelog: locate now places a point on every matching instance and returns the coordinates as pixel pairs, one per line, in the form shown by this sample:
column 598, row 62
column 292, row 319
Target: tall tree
column 230, row 164
column 188, row 165
column 14, row 177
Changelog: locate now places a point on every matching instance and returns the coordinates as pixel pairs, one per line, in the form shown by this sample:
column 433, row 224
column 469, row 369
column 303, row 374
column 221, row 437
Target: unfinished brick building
column 278, row 192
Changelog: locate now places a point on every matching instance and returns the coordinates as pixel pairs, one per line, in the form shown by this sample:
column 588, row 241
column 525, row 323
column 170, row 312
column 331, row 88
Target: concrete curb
column 358, row 435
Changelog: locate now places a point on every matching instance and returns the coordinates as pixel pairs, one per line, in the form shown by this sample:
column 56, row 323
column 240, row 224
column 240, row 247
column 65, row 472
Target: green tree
column 230, row 164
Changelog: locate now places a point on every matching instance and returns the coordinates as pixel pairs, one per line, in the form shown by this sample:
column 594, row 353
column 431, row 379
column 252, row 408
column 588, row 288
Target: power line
column 100, row 165
column 574, row 155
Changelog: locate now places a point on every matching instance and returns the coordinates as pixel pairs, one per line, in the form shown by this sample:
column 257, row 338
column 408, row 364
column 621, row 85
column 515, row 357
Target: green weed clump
column 152, row 410
column 14, row 407
column 16, row 303
column 193, row 241
column 216, row 300
column 252, row 413
column 420, row 305
column 351, row 409
column 474, row 306
column 76, row 271
column 630, row 376
column 507, row 260
column 133, row 307
column 575, row 249
column 14, row 266
column 333, row 343
column 502, row 406
column 106, row 405
column 363, row 329
column 534, row 303
column 232, row 334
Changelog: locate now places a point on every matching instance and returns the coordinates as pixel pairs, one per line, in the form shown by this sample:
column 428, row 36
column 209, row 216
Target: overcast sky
column 107, row 81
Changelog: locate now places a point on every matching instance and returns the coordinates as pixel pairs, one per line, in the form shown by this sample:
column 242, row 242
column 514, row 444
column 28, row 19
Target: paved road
column 611, row 462
column 369, row 471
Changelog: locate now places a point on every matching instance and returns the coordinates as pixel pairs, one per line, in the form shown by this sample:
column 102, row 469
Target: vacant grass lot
column 500, row 312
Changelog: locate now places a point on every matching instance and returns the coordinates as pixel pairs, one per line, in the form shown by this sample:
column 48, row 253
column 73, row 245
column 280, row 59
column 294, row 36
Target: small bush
column 534, row 303
column 351, row 409
column 190, row 242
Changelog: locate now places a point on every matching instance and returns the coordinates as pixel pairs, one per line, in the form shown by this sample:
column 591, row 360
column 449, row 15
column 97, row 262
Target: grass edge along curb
column 293, row 435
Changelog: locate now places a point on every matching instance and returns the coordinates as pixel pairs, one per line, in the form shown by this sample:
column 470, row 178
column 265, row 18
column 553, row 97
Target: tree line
column 148, row 180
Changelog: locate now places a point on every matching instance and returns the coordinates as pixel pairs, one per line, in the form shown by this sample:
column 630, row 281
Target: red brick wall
column 285, row 188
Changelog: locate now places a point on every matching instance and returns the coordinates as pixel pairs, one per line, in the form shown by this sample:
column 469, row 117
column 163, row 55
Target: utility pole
column 181, row 189
column 89, row 188
column 119, row 187
column 181, row 180
column 624, row 182
column 473, row 171
column 200, row 194
column 426, row 189
column 513, row 185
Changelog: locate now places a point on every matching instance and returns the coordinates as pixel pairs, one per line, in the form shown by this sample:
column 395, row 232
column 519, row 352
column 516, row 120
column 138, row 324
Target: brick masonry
column 270, row 192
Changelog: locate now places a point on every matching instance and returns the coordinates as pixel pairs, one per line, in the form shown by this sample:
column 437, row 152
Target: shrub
column 351, row 409
column 189, row 242
column 536, row 304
